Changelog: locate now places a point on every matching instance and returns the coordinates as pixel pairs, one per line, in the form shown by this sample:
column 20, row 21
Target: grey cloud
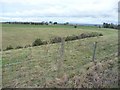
column 84, row 9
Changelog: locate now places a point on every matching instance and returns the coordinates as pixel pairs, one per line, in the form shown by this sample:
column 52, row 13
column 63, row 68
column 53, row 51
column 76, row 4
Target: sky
column 72, row 11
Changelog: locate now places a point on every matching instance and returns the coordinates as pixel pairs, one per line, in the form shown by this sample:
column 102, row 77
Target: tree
column 111, row 25
column 75, row 26
column 99, row 26
column 66, row 23
column 50, row 22
column 46, row 23
column 55, row 23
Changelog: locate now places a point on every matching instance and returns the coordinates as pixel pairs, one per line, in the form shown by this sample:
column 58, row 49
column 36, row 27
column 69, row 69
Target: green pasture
column 22, row 35
column 38, row 66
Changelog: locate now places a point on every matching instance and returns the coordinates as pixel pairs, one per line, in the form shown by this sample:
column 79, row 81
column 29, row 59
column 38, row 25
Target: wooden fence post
column 94, row 51
column 60, row 62
column 95, row 74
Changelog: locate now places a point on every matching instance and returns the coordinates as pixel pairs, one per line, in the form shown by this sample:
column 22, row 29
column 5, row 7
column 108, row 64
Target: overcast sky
column 74, row 11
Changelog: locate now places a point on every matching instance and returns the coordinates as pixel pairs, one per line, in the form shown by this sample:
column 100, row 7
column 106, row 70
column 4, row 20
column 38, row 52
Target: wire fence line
column 61, row 53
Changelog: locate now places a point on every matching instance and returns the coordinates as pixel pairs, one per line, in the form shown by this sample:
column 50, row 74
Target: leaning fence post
column 94, row 51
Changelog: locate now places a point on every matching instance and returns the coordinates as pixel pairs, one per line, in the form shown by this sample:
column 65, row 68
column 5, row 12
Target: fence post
column 62, row 49
column 60, row 62
column 95, row 74
column 94, row 51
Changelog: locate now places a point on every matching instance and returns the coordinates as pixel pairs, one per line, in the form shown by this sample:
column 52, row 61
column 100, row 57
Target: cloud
column 92, row 9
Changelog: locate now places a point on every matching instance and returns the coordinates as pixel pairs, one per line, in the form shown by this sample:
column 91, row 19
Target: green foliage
column 44, row 42
column 55, row 23
column 9, row 47
column 58, row 39
column 18, row 47
column 27, row 46
column 83, row 35
column 110, row 25
column 37, row 42
column 55, row 40
column 100, row 34
column 70, row 38
column 75, row 26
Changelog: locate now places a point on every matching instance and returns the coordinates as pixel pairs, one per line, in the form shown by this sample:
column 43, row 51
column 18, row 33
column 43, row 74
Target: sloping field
column 39, row 66
column 22, row 35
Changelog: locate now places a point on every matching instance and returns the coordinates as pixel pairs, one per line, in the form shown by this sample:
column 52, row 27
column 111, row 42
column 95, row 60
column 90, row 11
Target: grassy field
column 38, row 66
column 22, row 35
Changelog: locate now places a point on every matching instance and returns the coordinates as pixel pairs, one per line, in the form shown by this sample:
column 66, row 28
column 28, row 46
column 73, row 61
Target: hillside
column 40, row 66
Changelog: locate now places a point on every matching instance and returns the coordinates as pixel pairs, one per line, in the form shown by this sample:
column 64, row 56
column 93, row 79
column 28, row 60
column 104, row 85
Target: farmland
column 22, row 35
column 38, row 66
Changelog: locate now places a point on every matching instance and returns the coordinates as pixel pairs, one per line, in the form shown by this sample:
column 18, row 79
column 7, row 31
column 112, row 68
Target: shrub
column 27, row 46
column 75, row 26
column 79, row 36
column 45, row 42
column 37, row 42
column 55, row 40
column 83, row 35
column 9, row 47
column 70, row 38
column 18, row 47
column 100, row 34
column 93, row 34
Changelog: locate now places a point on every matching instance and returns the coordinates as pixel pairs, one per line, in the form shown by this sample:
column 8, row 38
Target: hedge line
column 39, row 42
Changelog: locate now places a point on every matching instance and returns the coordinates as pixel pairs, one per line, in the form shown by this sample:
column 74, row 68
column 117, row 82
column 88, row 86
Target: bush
column 100, row 34
column 70, row 38
column 45, row 42
column 83, row 35
column 37, row 42
column 27, row 46
column 9, row 47
column 95, row 34
column 55, row 40
column 75, row 26
column 18, row 47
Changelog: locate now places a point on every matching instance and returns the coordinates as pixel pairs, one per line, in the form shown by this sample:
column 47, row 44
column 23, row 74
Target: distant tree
column 42, row 23
column 110, row 25
column 46, row 23
column 75, row 26
column 55, row 23
column 50, row 22
column 99, row 26
column 104, row 25
column 66, row 23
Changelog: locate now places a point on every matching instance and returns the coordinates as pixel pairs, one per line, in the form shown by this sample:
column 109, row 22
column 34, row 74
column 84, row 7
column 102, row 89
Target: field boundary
column 39, row 42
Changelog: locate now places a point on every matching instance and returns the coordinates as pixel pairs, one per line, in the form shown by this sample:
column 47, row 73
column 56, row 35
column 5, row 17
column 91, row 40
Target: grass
column 22, row 35
column 37, row 66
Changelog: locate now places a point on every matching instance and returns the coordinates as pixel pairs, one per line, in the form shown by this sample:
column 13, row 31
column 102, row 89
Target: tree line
column 104, row 25
column 32, row 23
column 111, row 25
